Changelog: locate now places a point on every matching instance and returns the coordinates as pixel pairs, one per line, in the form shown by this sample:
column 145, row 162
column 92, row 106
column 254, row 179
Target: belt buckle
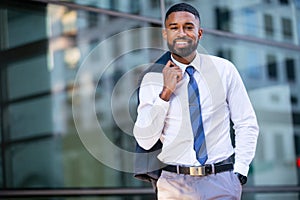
column 197, row 171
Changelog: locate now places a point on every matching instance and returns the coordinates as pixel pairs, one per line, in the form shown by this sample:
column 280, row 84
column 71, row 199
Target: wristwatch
column 243, row 179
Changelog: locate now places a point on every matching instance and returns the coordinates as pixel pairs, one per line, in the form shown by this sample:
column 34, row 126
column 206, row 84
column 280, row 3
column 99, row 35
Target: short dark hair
column 183, row 7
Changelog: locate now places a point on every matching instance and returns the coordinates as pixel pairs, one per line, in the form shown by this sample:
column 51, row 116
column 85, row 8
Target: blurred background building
column 69, row 69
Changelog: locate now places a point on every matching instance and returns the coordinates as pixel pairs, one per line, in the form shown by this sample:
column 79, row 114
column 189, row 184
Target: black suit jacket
column 147, row 166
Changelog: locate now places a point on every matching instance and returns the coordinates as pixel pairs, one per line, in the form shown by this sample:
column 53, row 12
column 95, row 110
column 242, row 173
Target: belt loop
column 213, row 169
column 177, row 169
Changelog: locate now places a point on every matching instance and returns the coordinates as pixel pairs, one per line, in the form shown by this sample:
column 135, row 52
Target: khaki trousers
column 221, row 186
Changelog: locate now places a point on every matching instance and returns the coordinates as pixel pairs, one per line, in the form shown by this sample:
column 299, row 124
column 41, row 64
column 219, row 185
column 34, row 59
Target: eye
column 189, row 27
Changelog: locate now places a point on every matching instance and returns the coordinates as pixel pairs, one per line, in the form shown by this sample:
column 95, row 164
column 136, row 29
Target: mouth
column 181, row 44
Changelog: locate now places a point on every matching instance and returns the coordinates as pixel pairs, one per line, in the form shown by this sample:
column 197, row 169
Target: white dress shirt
column 222, row 97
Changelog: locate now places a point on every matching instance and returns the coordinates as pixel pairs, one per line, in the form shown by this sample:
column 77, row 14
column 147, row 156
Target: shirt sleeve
column 245, row 123
column 152, row 111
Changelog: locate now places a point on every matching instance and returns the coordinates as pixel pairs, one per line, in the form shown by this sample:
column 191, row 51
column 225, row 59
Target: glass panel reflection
column 16, row 22
column 35, row 164
column 137, row 7
column 28, row 77
column 48, row 91
column 31, row 118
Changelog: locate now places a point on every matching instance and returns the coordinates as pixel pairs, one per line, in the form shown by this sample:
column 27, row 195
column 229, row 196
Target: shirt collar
column 195, row 63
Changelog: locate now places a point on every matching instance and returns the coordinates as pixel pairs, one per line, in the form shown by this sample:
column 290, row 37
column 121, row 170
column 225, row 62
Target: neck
column 184, row 60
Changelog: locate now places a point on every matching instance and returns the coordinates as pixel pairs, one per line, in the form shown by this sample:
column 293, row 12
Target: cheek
column 197, row 36
column 193, row 35
column 170, row 38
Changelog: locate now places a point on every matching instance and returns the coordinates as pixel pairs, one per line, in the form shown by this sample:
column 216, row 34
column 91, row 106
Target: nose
column 181, row 32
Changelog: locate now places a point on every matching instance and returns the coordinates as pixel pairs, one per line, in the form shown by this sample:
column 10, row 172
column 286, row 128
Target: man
column 186, row 102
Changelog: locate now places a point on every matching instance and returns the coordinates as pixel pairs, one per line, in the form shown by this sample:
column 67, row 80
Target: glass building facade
column 68, row 75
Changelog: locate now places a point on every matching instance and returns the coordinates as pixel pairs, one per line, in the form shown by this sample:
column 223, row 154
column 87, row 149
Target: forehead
column 181, row 17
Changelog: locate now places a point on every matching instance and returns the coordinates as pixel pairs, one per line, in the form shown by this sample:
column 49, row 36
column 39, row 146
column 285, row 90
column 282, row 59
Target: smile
column 181, row 44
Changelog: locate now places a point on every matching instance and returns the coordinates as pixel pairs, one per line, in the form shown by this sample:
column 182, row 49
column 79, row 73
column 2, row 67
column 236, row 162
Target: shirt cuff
column 241, row 168
column 162, row 103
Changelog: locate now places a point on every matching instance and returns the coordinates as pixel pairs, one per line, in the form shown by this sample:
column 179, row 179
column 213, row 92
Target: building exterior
column 69, row 72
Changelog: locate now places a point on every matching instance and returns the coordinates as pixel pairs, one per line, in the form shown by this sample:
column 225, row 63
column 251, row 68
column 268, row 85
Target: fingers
column 172, row 75
column 170, row 64
column 174, row 70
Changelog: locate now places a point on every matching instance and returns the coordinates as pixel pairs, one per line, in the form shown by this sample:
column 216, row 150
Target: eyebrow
column 187, row 23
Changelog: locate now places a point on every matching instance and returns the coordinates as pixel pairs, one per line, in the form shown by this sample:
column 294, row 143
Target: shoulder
column 157, row 66
column 222, row 65
column 217, row 60
column 219, row 67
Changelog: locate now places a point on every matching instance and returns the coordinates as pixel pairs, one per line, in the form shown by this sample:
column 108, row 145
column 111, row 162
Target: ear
column 164, row 34
column 200, row 32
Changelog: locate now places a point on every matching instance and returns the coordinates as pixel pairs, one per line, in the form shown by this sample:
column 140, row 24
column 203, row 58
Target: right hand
column 172, row 75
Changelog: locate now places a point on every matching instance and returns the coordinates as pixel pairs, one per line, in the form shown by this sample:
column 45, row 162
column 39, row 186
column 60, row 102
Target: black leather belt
column 205, row 170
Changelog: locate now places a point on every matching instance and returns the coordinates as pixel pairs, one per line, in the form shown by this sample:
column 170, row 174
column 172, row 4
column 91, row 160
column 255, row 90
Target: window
column 294, row 100
column 154, row 4
column 290, row 69
column 92, row 19
column 272, row 67
column 287, row 29
column 223, row 18
column 135, row 7
column 269, row 27
column 284, row 2
column 113, row 4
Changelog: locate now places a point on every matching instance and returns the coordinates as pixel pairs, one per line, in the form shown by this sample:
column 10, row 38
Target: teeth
column 181, row 42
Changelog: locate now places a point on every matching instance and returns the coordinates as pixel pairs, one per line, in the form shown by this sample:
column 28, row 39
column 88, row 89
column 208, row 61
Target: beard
column 183, row 52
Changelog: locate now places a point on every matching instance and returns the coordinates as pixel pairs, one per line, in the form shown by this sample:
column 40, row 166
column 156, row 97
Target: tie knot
column 190, row 70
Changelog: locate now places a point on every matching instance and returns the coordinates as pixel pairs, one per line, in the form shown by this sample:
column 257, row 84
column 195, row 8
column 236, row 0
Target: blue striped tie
column 196, row 118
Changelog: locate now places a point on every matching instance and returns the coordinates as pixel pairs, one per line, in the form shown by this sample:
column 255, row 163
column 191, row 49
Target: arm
column 245, row 124
column 154, row 95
